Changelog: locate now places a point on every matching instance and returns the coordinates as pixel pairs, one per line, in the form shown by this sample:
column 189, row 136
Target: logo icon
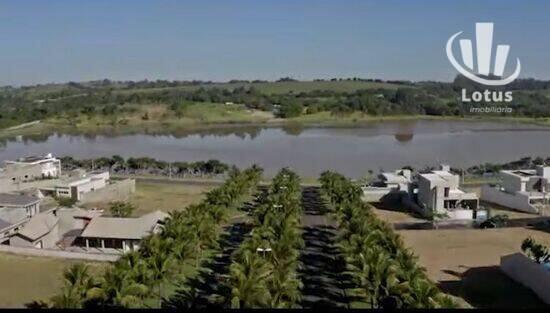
column 484, row 46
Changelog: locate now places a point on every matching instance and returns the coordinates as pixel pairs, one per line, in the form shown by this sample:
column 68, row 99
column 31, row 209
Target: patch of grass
column 25, row 279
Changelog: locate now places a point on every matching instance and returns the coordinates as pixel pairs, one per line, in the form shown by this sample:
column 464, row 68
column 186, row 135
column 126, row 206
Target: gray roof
column 4, row 224
column 123, row 227
column 39, row 225
column 7, row 199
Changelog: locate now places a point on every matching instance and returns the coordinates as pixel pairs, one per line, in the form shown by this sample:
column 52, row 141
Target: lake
column 309, row 151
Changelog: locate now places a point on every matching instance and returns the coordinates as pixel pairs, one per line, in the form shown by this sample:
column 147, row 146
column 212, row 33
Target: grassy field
column 465, row 263
column 25, row 279
column 162, row 195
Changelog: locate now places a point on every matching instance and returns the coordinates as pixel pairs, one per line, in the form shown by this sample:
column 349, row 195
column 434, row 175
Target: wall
column 528, row 273
column 59, row 254
column 116, row 191
column 510, row 182
column 514, row 201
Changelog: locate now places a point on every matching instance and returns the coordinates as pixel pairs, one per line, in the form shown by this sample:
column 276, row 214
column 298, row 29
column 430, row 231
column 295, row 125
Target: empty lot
column 465, row 263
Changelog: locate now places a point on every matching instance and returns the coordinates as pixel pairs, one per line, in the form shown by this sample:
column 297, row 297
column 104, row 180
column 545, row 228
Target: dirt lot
column 25, row 279
column 465, row 263
column 396, row 216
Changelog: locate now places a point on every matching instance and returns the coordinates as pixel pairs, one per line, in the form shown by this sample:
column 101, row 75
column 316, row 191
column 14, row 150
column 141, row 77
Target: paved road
column 322, row 270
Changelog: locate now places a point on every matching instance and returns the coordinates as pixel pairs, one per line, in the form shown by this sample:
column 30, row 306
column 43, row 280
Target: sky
column 65, row 40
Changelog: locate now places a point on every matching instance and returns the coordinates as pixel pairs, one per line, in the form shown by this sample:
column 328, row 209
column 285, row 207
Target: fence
column 59, row 254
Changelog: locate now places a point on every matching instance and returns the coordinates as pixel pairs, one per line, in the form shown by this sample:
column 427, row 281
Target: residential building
column 29, row 203
column 439, row 194
column 41, row 231
column 121, row 233
column 75, row 186
column 386, row 183
column 32, row 167
column 523, row 190
column 15, row 211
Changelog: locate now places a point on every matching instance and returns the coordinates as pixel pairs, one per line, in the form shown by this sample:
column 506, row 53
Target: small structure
column 121, row 233
column 41, row 231
column 388, row 182
column 74, row 187
column 439, row 194
column 31, row 168
column 523, row 190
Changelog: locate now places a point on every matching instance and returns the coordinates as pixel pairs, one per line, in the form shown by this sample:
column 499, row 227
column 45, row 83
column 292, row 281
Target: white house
column 388, row 182
column 439, row 193
column 32, row 167
column 522, row 190
column 75, row 187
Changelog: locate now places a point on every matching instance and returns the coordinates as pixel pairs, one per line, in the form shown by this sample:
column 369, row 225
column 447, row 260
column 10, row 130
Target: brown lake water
column 309, row 151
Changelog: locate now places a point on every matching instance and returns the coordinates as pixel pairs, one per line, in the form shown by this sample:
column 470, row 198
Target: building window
column 446, row 192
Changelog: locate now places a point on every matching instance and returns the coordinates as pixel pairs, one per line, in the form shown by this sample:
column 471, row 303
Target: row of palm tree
column 264, row 269
column 139, row 277
column 384, row 272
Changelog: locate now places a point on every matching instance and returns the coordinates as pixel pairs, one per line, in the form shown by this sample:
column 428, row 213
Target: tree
column 121, row 209
column 77, row 283
column 248, row 278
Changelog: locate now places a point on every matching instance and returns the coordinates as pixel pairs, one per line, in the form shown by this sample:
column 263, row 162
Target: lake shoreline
column 302, row 122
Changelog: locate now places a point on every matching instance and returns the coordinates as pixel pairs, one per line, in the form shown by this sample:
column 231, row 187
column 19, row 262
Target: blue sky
column 58, row 41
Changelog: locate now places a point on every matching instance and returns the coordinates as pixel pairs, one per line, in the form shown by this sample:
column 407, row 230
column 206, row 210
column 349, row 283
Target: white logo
column 484, row 45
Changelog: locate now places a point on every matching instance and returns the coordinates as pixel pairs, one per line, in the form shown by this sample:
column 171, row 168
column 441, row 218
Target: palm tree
column 160, row 263
column 119, row 289
column 248, row 278
column 77, row 283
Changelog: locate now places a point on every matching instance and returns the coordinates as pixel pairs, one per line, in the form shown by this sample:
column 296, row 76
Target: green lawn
column 25, row 279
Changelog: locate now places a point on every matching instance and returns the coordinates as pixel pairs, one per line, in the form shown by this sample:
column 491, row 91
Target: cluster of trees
column 385, row 273
column 146, row 165
column 264, row 269
column 140, row 276
column 536, row 251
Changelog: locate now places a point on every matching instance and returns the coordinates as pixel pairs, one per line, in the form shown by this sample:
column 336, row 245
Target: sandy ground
column 465, row 262
column 396, row 216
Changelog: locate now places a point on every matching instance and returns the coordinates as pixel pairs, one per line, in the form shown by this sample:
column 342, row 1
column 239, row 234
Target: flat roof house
column 522, row 190
column 439, row 193
column 74, row 187
column 121, row 233
column 32, row 167
column 386, row 183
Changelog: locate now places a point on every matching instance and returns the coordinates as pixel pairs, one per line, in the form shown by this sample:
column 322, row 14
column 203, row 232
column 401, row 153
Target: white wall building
column 439, row 193
column 522, row 190
column 30, row 168
column 75, row 187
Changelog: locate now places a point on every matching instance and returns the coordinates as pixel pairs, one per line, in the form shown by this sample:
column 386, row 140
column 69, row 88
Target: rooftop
column 7, row 199
column 123, row 227
column 39, row 225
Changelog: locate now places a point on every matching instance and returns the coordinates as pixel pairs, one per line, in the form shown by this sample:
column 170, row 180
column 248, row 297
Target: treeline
column 140, row 277
column 385, row 273
column 110, row 98
column 264, row 269
column 146, row 165
column 492, row 168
